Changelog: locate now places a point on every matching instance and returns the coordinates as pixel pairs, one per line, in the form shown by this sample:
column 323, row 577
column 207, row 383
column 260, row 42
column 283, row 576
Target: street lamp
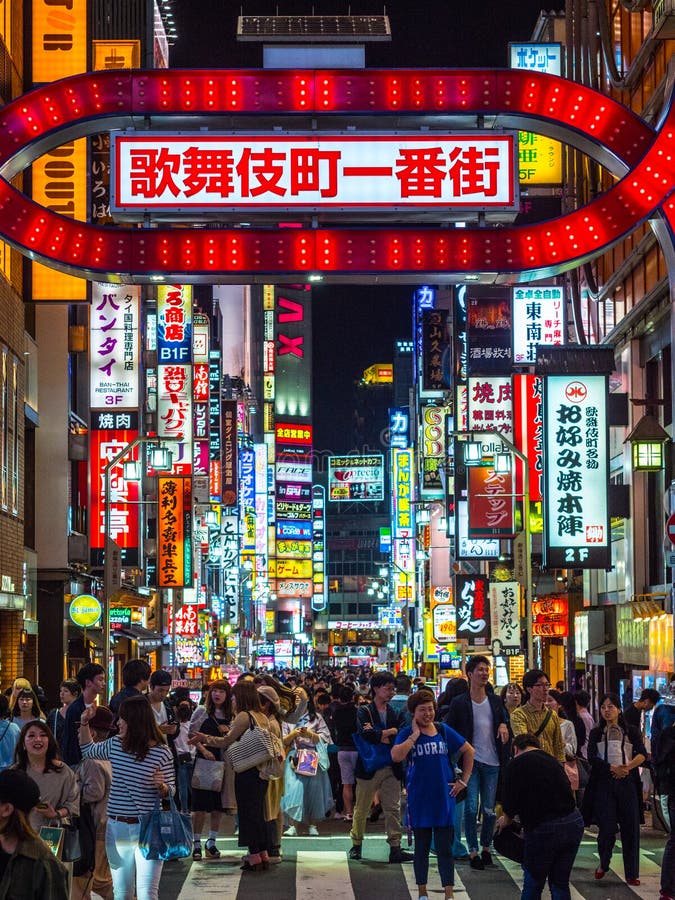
column 111, row 558
column 526, row 513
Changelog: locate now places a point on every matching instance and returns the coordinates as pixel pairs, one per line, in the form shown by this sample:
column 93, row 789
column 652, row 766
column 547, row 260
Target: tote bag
column 166, row 834
column 254, row 748
column 208, row 774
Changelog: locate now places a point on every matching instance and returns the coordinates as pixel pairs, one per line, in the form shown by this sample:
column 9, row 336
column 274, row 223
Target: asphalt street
column 318, row 869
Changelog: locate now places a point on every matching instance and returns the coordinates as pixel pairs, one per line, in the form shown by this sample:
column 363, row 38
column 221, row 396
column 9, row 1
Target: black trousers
column 250, row 790
column 616, row 804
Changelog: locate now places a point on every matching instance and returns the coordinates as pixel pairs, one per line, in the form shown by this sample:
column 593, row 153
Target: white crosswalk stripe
column 323, row 873
column 328, row 875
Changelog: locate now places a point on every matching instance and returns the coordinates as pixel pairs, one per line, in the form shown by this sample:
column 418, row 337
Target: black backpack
column 663, row 764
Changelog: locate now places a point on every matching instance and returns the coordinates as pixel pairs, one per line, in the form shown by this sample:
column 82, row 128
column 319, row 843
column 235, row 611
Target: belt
column 130, row 820
column 184, row 758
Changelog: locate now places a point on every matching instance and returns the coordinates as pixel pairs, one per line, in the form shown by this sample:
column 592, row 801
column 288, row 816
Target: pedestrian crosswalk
column 319, row 869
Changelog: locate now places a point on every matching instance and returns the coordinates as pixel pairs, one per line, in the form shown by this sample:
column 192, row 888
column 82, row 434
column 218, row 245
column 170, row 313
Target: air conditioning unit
column 663, row 19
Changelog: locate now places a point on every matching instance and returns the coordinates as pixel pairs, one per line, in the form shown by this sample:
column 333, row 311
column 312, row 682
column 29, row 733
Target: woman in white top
column 307, row 798
column 142, row 768
column 37, row 754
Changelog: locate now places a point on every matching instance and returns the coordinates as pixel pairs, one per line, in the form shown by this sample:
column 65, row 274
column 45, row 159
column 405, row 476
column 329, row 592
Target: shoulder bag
column 546, row 720
column 372, row 756
column 166, row 834
column 254, row 748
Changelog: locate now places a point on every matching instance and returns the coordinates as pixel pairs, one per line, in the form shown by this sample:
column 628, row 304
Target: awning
column 128, row 597
column 147, row 640
column 604, row 655
column 646, row 609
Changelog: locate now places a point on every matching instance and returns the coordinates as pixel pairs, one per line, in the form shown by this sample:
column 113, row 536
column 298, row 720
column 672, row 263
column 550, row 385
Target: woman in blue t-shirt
column 427, row 747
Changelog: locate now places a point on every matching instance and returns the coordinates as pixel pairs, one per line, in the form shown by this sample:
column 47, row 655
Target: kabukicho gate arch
column 387, row 244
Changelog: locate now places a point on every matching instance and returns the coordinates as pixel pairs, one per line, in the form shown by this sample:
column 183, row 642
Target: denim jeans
column 128, row 865
column 458, row 848
column 549, row 853
column 483, row 781
column 185, row 786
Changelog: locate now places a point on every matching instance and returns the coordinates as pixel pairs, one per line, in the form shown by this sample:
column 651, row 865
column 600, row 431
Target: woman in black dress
column 250, row 788
column 213, row 718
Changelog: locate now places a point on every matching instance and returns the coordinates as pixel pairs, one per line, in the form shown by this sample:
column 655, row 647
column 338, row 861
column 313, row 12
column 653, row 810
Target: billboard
column 174, row 532
column 576, row 472
column 113, row 342
column 505, row 612
column 104, row 446
column 233, row 172
column 473, row 609
column 356, row 477
column 488, row 312
column 538, row 315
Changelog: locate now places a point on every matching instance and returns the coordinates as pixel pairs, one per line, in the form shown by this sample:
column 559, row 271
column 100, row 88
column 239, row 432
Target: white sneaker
column 313, row 831
column 291, row 831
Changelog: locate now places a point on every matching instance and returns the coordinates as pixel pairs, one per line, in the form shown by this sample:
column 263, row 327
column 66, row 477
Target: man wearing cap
column 30, row 871
column 95, row 776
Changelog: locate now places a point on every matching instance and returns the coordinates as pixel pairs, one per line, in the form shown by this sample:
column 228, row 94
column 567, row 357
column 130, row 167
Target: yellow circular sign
column 85, row 610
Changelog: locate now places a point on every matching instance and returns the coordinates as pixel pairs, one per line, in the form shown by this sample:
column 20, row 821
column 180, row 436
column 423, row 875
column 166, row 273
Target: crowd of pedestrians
column 528, row 763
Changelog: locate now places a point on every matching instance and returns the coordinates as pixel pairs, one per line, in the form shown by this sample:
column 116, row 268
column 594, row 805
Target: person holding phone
column 427, row 748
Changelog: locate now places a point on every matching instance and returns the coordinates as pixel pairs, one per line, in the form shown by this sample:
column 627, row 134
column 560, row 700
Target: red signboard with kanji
column 174, row 532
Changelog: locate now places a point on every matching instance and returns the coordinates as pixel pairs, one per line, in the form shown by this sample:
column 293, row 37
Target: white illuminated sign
column 536, row 57
column 113, row 339
column 576, row 512
column 205, row 171
column 536, row 320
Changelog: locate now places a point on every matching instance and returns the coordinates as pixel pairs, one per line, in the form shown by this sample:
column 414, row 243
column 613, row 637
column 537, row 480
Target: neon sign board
column 199, row 172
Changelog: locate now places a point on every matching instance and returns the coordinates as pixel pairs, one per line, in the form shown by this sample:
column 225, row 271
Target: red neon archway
column 102, row 100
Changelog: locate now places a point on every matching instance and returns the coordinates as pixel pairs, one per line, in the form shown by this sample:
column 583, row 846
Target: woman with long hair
column 250, row 789
column 613, row 797
column 31, row 871
column 271, row 706
column 307, row 799
column 19, row 684
column 213, row 718
column 27, row 708
column 142, row 769
column 37, row 754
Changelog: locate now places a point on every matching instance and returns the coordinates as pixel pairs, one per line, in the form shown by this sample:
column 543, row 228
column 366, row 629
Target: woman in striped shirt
column 142, row 767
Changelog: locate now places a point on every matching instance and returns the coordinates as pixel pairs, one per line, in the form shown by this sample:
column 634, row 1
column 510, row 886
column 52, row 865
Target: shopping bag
column 306, row 762
column 208, row 774
column 165, row 834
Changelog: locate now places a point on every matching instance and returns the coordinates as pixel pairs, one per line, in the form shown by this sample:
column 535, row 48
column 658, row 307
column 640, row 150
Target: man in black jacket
column 379, row 724
column 136, row 677
column 480, row 718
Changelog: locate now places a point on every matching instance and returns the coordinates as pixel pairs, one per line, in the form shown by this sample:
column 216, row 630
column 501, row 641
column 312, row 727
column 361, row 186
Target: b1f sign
column 576, row 472
column 225, row 172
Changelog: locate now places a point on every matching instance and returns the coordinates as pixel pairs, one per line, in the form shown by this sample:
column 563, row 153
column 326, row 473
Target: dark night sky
column 355, row 327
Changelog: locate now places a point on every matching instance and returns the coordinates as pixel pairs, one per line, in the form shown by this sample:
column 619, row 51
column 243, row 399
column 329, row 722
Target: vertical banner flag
column 505, row 613
column 473, row 613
